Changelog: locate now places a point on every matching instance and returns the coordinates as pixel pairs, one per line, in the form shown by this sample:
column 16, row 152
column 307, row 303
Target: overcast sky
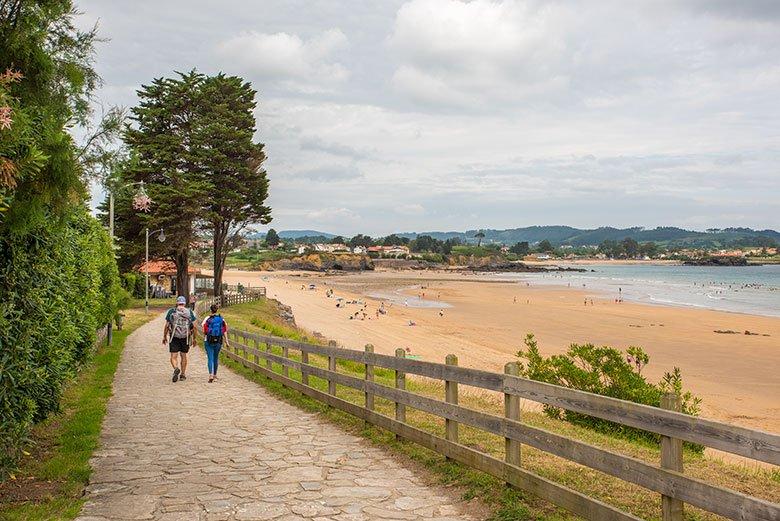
column 450, row 115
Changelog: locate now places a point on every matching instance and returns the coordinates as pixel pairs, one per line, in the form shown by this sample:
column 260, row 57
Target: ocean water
column 741, row 289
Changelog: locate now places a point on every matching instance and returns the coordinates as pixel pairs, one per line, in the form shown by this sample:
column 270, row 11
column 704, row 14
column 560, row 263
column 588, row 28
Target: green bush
column 606, row 371
column 133, row 283
column 58, row 285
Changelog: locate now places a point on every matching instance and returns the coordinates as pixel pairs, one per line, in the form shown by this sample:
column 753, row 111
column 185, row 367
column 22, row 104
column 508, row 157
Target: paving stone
column 232, row 452
column 261, row 511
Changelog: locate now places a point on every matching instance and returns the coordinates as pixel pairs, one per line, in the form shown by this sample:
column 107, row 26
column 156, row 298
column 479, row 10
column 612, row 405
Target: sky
column 416, row 115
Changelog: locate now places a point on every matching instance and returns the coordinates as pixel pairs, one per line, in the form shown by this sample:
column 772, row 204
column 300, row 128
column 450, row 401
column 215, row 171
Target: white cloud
column 457, row 51
column 305, row 65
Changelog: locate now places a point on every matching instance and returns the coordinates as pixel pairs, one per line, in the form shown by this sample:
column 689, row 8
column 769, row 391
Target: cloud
column 466, row 52
column 333, row 215
column 329, row 173
column 317, row 144
column 304, row 65
column 510, row 55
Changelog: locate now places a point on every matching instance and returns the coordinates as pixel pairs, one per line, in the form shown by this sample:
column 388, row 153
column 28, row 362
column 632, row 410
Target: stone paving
column 230, row 451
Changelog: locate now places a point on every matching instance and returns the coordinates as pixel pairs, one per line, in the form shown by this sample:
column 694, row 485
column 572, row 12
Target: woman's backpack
column 214, row 330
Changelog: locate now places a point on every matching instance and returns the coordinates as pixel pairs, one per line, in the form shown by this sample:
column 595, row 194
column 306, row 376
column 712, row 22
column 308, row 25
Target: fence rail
column 667, row 479
column 231, row 299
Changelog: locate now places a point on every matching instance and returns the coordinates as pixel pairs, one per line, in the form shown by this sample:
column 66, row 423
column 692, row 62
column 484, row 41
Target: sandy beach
column 736, row 375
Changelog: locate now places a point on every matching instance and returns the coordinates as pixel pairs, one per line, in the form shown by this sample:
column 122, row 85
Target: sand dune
column 737, row 376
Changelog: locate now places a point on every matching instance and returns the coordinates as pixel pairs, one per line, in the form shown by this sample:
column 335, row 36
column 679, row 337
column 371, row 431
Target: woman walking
column 215, row 331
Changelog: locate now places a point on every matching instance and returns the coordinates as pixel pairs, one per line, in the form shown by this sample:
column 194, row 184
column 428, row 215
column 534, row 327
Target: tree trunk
column 219, row 264
column 182, row 273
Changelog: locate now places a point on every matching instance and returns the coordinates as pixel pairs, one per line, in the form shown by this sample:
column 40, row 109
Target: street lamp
column 161, row 238
column 141, row 202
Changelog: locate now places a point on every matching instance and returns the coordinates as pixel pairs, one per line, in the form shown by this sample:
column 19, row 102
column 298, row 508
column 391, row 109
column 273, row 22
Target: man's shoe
column 176, row 374
column 182, row 377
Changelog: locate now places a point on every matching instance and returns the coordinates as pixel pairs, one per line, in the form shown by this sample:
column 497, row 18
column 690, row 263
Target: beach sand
column 737, row 376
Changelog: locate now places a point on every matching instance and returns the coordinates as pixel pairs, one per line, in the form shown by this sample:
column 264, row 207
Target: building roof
column 165, row 267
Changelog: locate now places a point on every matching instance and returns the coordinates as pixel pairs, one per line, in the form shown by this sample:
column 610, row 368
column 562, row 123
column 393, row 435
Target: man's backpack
column 214, row 330
column 181, row 322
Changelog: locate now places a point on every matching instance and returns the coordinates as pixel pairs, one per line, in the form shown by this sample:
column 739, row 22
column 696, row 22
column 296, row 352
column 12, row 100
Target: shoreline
column 735, row 374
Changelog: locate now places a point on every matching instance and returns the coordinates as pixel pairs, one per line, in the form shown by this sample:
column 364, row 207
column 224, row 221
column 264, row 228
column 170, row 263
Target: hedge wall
column 58, row 285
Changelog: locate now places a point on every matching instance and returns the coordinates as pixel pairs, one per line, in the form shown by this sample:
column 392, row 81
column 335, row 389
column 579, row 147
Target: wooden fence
column 231, row 299
column 666, row 479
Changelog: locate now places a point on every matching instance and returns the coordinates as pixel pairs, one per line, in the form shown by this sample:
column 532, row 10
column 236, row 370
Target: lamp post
column 140, row 199
column 161, row 238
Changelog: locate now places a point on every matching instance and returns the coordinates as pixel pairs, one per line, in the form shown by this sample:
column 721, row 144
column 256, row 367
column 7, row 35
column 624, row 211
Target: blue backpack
column 214, row 334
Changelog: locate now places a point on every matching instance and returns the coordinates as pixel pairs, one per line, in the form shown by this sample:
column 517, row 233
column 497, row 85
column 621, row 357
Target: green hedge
column 58, row 285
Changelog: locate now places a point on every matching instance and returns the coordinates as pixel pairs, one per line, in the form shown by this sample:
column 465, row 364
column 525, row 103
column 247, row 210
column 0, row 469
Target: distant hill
column 296, row 234
column 567, row 235
column 293, row 234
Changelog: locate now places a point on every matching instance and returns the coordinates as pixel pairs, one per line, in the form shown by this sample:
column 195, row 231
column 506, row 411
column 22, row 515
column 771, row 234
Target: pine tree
column 230, row 163
column 272, row 238
column 166, row 158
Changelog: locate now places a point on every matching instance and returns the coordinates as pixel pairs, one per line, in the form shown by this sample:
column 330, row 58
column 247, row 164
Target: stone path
column 230, row 451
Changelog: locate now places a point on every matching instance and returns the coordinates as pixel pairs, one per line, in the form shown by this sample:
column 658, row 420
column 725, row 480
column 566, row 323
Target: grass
column 153, row 303
column 51, row 479
column 506, row 503
column 250, row 258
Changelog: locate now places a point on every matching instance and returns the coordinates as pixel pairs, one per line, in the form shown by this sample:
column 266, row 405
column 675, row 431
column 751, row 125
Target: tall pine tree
column 166, row 158
column 230, row 162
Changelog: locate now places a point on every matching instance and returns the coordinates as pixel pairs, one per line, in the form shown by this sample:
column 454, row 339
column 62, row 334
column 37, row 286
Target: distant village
column 404, row 248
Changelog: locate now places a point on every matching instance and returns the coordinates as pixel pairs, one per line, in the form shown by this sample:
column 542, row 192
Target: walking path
column 230, row 451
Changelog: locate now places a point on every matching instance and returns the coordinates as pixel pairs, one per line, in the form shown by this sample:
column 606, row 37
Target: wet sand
column 737, row 376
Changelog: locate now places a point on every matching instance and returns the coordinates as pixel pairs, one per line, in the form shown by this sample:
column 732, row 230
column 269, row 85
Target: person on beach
column 180, row 325
column 215, row 331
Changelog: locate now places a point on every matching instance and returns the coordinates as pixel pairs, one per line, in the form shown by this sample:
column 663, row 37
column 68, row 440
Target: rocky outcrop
column 285, row 313
column 322, row 262
column 517, row 267
column 717, row 261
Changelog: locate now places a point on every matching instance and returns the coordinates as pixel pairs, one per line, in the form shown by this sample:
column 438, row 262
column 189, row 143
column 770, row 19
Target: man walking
column 179, row 324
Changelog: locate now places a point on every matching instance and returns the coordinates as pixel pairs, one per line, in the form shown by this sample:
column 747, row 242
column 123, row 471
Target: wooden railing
column 231, row 299
column 667, row 479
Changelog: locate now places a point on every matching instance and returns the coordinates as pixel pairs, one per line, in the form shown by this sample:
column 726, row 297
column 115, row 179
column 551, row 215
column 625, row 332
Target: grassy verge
column 506, row 503
column 50, row 481
column 153, row 303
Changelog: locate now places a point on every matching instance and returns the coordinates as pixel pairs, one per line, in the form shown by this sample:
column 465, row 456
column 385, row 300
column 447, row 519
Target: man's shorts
column 179, row 345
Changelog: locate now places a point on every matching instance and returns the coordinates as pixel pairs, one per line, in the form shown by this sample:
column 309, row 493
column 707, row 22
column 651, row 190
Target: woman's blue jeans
column 212, row 353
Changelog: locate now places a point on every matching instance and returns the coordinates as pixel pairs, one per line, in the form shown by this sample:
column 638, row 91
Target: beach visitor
column 215, row 331
column 179, row 324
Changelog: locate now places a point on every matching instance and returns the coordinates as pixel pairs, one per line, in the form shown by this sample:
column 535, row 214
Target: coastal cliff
column 717, row 261
column 321, row 262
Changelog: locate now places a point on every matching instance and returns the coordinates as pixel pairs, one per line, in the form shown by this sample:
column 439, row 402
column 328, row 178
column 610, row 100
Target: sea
column 741, row 289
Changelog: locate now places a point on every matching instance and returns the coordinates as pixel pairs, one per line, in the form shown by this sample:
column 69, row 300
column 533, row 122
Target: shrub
column 58, row 285
column 606, row 371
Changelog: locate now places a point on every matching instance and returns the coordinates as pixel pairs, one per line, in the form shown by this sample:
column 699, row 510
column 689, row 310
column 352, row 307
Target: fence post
column 400, row 383
column 332, row 367
column 512, row 412
column 672, row 459
column 369, row 378
column 304, row 374
column 268, row 364
column 257, row 348
column 286, row 354
column 451, row 396
column 244, row 345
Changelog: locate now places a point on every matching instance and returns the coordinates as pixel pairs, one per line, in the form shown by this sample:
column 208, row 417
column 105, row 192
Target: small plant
column 606, row 371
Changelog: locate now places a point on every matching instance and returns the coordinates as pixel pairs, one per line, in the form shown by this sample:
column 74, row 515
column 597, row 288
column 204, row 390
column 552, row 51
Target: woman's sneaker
column 182, row 377
column 176, row 374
